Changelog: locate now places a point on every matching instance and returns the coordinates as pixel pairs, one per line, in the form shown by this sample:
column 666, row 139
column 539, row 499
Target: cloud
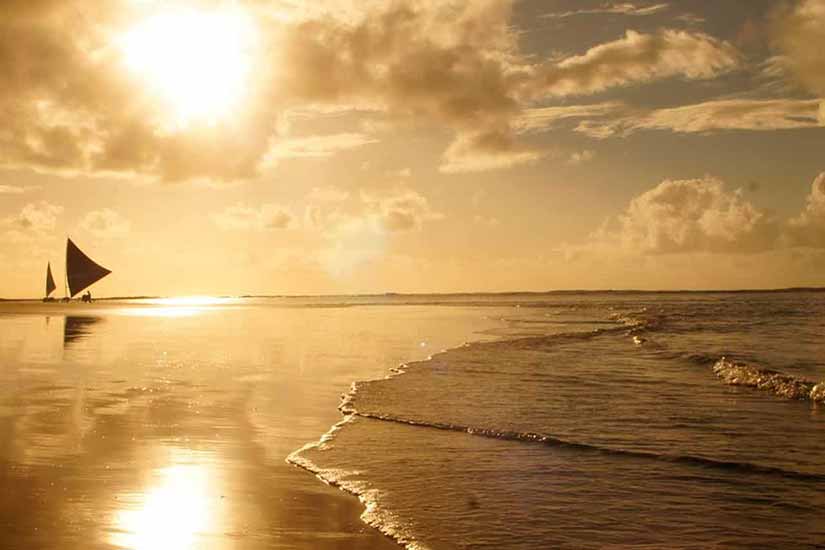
column 699, row 215
column 355, row 243
column 105, row 224
column 581, row 157
column 799, row 33
column 639, row 58
column 389, row 211
column 622, row 8
column 544, row 118
column 36, row 217
column 17, row 189
column 242, row 217
column 361, row 234
column 70, row 107
column 808, row 229
column 717, row 115
column 322, row 146
column 400, row 173
column 327, row 194
column 399, row 210
column 486, row 150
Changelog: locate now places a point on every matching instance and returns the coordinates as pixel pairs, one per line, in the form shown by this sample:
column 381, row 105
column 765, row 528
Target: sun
column 196, row 63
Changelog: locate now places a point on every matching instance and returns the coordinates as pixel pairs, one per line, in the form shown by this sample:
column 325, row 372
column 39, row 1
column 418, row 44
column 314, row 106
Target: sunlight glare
column 198, row 63
column 172, row 515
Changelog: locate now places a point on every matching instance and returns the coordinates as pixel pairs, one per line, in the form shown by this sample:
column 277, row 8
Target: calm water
column 571, row 421
column 164, row 426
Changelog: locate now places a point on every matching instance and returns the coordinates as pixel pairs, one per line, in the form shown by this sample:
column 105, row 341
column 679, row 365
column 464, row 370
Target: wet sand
column 166, row 425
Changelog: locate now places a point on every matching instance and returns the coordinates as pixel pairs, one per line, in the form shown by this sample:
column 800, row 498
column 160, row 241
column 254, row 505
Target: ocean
column 558, row 420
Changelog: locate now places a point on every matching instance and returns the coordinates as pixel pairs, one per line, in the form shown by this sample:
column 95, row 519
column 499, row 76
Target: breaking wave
column 736, row 373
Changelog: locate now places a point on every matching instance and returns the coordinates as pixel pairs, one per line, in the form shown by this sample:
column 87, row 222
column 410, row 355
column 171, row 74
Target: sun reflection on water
column 176, row 513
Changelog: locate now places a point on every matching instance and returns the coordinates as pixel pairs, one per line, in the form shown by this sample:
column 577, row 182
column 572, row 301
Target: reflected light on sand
column 183, row 306
column 190, row 301
column 171, row 515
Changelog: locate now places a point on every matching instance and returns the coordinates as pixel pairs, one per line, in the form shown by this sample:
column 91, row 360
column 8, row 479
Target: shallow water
column 603, row 425
column 165, row 424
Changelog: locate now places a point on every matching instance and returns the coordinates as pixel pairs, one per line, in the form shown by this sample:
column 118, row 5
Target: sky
column 343, row 146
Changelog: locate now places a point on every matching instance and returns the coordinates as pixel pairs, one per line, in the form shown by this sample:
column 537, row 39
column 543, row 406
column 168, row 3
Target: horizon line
column 462, row 293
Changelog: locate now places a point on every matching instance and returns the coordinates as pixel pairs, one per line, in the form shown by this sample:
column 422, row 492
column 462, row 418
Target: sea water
column 600, row 421
column 564, row 420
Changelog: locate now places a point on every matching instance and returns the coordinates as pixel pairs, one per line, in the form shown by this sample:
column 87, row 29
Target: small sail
column 81, row 271
column 50, row 286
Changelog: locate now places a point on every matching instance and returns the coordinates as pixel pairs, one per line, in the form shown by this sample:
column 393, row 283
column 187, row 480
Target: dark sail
column 50, row 286
column 81, row 271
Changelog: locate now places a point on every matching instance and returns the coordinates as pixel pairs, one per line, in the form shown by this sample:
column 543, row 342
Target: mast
column 66, row 275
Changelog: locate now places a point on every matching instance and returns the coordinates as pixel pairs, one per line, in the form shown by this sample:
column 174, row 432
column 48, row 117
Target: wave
column 550, row 440
column 644, row 327
column 369, row 498
column 737, row 373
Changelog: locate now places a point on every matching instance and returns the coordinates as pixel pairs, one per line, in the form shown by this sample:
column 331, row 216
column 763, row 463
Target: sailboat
column 50, row 286
column 81, row 272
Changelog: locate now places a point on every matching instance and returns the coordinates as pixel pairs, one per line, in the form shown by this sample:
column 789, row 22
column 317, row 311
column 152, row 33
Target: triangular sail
column 50, row 286
column 81, row 271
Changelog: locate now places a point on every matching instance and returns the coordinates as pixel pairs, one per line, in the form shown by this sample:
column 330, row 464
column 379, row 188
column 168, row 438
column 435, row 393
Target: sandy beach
column 165, row 425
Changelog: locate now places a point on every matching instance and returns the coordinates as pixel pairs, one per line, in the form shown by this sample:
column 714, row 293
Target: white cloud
column 486, row 150
column 800, row 35
column 262, row 218
column 355, row 242
column 544, row 118
column 400, row 210
column 620, row 8
column 37, row 217
column 17, row 189
column 389, row 211
column 401, row 173
column 581, row 157
column 327, row 194
column 808, row 229
column 105, row 224
column 314, row 147
column 639, row 58
column 700, row 215
column 717, row 115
